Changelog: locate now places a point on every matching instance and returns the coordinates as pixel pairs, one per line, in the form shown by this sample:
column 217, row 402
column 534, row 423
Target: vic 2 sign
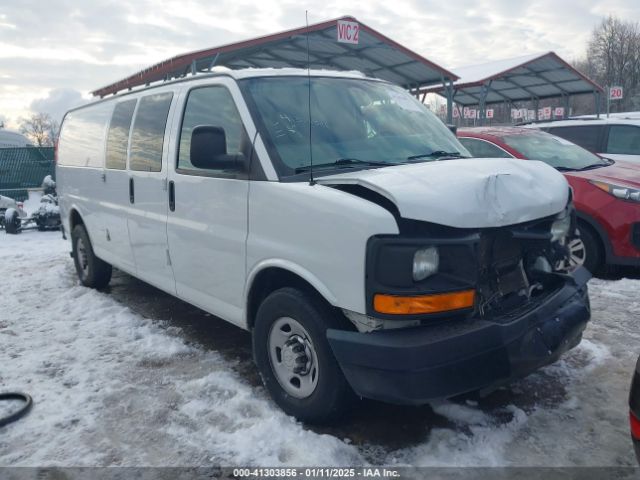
column 615, row 93
column 348, row 32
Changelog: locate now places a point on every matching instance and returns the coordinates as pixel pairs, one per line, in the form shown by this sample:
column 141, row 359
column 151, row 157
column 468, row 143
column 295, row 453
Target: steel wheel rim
column 293, row 357
column 83, row 260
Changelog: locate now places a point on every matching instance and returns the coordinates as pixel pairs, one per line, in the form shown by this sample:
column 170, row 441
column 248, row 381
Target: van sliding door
column 147, row 191
column 116, row 178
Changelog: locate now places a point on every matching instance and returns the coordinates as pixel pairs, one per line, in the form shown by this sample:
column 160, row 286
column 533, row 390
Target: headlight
column 560, row 227
column 425, row 263
column 618, row 191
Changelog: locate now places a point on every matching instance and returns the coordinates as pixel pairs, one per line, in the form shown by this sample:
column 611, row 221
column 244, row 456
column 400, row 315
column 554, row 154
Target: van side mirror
column 209, row 150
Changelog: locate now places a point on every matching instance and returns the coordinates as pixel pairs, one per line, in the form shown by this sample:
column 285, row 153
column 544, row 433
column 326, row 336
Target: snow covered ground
column 133, row 376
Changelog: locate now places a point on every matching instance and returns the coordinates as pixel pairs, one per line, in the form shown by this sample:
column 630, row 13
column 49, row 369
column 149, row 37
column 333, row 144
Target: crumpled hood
column 466, row 193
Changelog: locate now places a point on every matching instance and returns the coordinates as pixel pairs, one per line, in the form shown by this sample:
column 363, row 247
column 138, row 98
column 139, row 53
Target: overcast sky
column 53, row 52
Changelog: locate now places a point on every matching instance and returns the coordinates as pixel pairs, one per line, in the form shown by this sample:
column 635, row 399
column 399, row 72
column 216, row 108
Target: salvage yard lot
column 133, row 376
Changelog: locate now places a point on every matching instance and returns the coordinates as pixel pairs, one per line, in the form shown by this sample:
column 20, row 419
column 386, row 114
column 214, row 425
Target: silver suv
column 616, row 137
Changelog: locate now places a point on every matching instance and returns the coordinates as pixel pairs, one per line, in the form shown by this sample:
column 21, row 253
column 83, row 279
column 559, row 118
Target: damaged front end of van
column 469, row 295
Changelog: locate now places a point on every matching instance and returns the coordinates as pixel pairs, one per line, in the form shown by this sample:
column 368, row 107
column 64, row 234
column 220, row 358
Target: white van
column 392, row 268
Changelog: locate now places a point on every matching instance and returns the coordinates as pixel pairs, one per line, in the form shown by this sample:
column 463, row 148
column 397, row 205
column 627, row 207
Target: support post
column 566, row 106
column 596, row 99
column 483, row 104
column 536, row 106
column 214, row 61
column 449, row 94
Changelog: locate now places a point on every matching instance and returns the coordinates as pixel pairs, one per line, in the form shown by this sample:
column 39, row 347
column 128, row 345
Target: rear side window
column 210, row 106
column 118, row 136
column 482, row 148
column 587, row 136
column 147, row 137
column 624, row 139
column 81, row 142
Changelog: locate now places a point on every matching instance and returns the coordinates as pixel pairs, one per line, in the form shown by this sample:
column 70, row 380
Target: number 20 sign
column 615, row 93
column 348, row 32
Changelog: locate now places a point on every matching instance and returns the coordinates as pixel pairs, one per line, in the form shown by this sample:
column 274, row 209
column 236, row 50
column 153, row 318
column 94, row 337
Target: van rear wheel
column 295, row 359
column 92, row 272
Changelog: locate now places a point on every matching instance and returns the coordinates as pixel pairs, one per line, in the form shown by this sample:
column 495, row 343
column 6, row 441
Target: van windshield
column 355, row 123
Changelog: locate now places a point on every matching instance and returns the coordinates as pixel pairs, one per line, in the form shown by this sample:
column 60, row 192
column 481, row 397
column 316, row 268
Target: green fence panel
column 24, row 168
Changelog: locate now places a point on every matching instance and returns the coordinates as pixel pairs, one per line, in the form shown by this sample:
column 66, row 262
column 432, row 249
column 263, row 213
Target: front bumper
column 415, row 365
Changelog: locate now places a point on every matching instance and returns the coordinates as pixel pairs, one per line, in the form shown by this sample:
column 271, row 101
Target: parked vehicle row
column 606, row 192
column 335, row 218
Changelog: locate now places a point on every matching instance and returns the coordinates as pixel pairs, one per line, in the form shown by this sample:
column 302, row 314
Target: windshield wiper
column 439, row 154
column 344, row 162
column 582, row 169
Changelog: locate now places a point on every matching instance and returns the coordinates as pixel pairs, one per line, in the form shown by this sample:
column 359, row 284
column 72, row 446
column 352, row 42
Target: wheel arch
column 75, row 218
column 598, row 232
column 269, row 276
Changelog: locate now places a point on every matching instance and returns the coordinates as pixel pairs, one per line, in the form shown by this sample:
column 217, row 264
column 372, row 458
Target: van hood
column 466, row 193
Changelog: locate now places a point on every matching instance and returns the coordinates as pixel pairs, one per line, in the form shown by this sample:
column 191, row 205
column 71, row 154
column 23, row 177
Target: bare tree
column 40, row 128
column 613, row 58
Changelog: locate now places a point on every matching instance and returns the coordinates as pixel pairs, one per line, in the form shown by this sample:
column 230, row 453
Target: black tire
column 594, row 255
column 2, row 210
column 13, row 224
column 332, row 395
column 92, row 272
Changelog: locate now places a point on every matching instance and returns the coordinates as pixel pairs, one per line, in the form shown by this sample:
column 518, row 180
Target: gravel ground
column 134, row 377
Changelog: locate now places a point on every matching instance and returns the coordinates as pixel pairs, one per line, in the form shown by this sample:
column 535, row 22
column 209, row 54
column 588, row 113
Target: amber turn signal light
column 440, row 302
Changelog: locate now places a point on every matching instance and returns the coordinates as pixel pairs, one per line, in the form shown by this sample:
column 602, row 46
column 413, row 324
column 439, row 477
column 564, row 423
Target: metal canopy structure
column 530, row 78
column 375, row 55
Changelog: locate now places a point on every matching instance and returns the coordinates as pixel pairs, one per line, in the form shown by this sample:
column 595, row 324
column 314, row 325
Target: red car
column 606, row 192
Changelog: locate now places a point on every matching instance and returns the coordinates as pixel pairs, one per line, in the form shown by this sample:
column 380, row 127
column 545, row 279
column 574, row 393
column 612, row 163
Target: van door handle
column 132, row 194
column 172, row 196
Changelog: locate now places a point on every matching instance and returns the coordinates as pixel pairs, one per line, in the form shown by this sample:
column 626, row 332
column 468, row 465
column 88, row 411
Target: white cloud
column 71, row 44
column 57, row 102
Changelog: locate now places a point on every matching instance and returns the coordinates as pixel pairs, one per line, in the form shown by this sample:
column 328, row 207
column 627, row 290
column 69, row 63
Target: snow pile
column 112, row 388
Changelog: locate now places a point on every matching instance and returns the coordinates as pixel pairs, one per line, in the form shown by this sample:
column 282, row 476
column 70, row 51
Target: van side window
column 624, row 139
column 118, row 136
column 210, row 106
column 81, row 142
column 587, row 136
column 147, row 136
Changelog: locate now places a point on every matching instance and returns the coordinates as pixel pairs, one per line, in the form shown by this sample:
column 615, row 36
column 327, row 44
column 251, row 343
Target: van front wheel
column 92, row 272
column 294, row 357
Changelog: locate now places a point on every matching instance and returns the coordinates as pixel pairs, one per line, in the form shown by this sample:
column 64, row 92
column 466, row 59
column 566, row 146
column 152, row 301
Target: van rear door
column 147, row 189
